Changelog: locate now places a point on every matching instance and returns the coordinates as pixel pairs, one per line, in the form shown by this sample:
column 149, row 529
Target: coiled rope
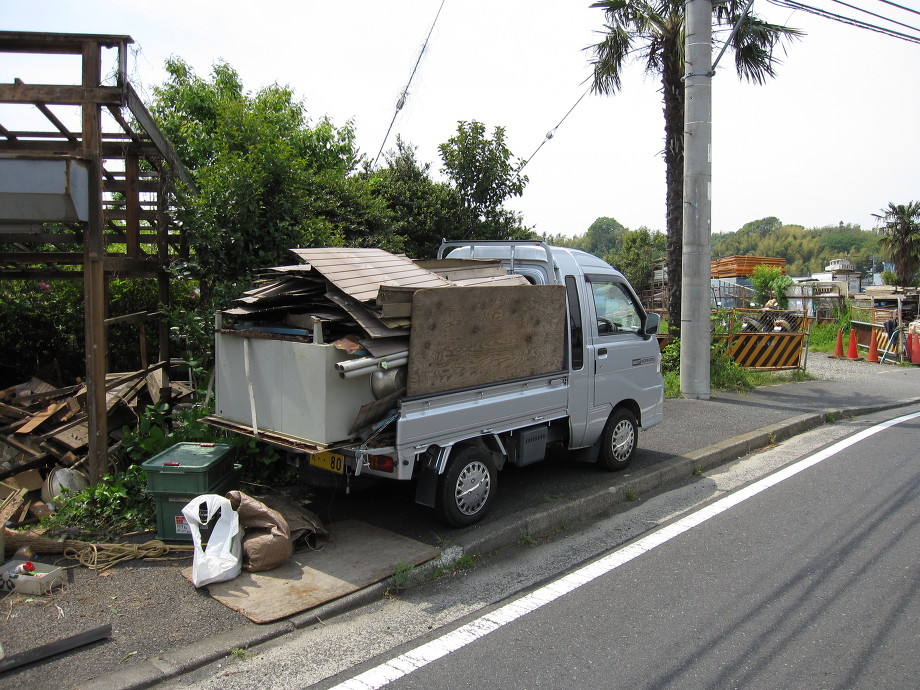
column 104, row 556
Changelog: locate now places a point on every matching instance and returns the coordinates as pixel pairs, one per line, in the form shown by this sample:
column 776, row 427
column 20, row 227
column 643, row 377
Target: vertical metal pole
column 93, row 271
column 697, row 251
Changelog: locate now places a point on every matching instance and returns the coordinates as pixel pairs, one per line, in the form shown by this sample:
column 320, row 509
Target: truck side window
column 575, row 332
column 615, row 309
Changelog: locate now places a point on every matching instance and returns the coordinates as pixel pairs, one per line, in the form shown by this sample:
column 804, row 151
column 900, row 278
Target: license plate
column 329, row 461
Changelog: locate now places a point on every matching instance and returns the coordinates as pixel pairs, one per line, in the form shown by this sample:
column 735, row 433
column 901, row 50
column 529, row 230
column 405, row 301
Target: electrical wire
column 551, row 133
column 900, row 7
column 873, row 14
column 405, row 92
column 792, row 4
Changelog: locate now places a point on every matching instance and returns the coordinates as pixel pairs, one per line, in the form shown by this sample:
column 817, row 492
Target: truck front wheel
column 467, row 487
column 618, row 444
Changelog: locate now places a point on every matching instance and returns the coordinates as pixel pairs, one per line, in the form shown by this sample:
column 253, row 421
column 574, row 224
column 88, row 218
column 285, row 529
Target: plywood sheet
column 470, row 336
column 358, row 556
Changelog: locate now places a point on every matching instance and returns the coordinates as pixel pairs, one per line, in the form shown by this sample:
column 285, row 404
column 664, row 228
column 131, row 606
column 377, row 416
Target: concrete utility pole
column 697, row 254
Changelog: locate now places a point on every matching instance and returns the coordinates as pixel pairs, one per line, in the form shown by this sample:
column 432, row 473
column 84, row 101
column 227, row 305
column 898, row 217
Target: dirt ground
column 133, row 598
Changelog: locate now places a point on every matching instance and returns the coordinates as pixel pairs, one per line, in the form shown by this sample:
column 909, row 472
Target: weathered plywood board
column 470, row 336
column 359, row 555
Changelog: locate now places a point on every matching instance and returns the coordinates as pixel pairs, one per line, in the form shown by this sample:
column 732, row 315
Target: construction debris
column 45, row 427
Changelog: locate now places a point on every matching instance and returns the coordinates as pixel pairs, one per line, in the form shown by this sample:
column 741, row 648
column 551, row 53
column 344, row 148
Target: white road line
column 421, row 656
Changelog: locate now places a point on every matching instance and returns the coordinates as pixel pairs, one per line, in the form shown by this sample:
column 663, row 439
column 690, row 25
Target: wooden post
column 93, row 271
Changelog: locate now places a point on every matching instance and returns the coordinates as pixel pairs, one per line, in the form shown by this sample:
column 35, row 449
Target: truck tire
column 467, row 487
column 618, row 443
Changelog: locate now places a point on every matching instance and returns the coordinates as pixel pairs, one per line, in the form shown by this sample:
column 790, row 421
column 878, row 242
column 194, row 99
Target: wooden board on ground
column 471, row 336
column 358, row 555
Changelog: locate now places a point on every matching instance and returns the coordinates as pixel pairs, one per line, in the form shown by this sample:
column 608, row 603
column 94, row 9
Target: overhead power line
column 877, row 16
column 405, row 92
column 793, row 4
column 900, row 7
column 551, row 133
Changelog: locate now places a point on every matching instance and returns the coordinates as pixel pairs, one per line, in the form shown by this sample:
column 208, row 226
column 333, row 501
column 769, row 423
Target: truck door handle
column 602, row 352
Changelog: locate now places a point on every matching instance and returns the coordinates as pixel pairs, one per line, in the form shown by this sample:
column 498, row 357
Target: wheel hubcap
column 624, row 436
column 472, row 490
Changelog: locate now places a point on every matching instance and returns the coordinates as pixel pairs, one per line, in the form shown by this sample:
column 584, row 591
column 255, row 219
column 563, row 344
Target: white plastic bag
column 220, row 559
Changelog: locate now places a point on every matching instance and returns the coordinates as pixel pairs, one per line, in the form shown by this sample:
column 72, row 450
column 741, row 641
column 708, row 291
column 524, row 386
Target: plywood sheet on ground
column 358, row 555
column 471, row 336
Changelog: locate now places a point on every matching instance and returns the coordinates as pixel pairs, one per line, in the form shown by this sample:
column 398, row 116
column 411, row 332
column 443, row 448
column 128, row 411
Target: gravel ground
column 821, row 366
column 150, row 607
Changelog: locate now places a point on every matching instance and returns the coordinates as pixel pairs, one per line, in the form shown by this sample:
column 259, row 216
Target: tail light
column 381, row 463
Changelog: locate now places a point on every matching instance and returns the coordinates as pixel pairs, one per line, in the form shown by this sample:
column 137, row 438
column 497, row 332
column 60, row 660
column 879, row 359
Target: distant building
column 841, row 271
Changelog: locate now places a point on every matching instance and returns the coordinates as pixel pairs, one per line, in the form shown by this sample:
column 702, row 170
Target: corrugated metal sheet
column 359, row 273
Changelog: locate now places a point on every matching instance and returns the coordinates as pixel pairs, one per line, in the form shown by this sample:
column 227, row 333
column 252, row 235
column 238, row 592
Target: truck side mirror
column 652, row 322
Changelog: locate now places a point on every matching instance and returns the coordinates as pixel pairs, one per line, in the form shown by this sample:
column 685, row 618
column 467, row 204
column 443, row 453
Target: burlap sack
column 267, row 541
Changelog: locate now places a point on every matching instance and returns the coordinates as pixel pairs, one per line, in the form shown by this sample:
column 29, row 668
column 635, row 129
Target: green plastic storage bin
column 189, row 468
column 170, row 520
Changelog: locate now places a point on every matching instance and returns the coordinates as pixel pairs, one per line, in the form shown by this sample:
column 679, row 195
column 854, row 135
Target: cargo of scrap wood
column 389, row 326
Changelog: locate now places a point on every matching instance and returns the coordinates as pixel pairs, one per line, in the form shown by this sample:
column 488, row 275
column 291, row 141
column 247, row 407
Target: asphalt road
column 811, row 583
column 808, row 584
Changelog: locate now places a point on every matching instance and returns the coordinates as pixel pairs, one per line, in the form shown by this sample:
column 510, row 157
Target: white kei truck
column 494, row 374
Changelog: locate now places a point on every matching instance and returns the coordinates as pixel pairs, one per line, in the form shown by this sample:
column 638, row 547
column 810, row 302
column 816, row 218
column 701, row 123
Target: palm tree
column 653, row 32
column 901, row 238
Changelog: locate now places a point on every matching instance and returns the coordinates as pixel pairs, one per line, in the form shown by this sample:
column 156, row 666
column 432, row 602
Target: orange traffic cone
column 915, row 351
column 852, row 352
column 838, row 348
column 873, row 347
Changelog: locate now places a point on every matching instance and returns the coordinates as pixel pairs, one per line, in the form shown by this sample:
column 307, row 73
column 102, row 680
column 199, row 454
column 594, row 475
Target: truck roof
column 568, row 261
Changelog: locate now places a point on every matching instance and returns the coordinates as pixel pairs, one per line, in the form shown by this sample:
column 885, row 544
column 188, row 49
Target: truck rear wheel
column 618, row 444
column 467, row 487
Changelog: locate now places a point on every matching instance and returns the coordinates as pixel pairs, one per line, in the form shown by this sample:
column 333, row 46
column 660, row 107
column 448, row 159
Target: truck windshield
column 615, row 309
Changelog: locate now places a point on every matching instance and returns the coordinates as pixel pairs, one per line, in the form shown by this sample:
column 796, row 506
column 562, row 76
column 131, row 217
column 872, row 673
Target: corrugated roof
column 360, row 272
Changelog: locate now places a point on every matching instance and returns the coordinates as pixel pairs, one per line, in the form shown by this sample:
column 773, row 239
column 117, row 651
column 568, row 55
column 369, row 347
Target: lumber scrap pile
column 357, row 298
column 45, row 427
column 743, row 266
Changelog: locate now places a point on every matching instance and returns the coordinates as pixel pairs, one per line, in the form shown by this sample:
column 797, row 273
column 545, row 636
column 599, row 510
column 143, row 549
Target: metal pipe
column 365, row 362
column 370, row 369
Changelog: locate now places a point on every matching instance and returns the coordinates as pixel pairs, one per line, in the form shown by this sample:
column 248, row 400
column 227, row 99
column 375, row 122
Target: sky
column 834, row 138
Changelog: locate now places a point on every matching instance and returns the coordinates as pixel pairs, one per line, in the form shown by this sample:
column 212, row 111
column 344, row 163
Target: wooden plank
column 11, row 506
column 73, row 437
column 358, row 555
column 40, row 418
column 57, row 647
column 470, row 336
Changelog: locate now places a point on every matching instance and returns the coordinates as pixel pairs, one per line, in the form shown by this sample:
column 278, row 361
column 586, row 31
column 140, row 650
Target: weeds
column 402, row 575
column 241, row 654
column 631, row 495
column 526, row 539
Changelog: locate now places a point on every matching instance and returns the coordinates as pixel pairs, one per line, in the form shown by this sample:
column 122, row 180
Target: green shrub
column 118, row 504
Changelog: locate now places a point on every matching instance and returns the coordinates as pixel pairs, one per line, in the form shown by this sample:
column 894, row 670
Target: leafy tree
column 769, row 282
column 268, row 180
column 653, row 30
column 424, row 212
column 485, row 175
column 901, row 238
column 636, row 255
column 603, row 235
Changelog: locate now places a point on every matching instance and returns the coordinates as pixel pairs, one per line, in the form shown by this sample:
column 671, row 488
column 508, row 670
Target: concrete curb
column 540, row 520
